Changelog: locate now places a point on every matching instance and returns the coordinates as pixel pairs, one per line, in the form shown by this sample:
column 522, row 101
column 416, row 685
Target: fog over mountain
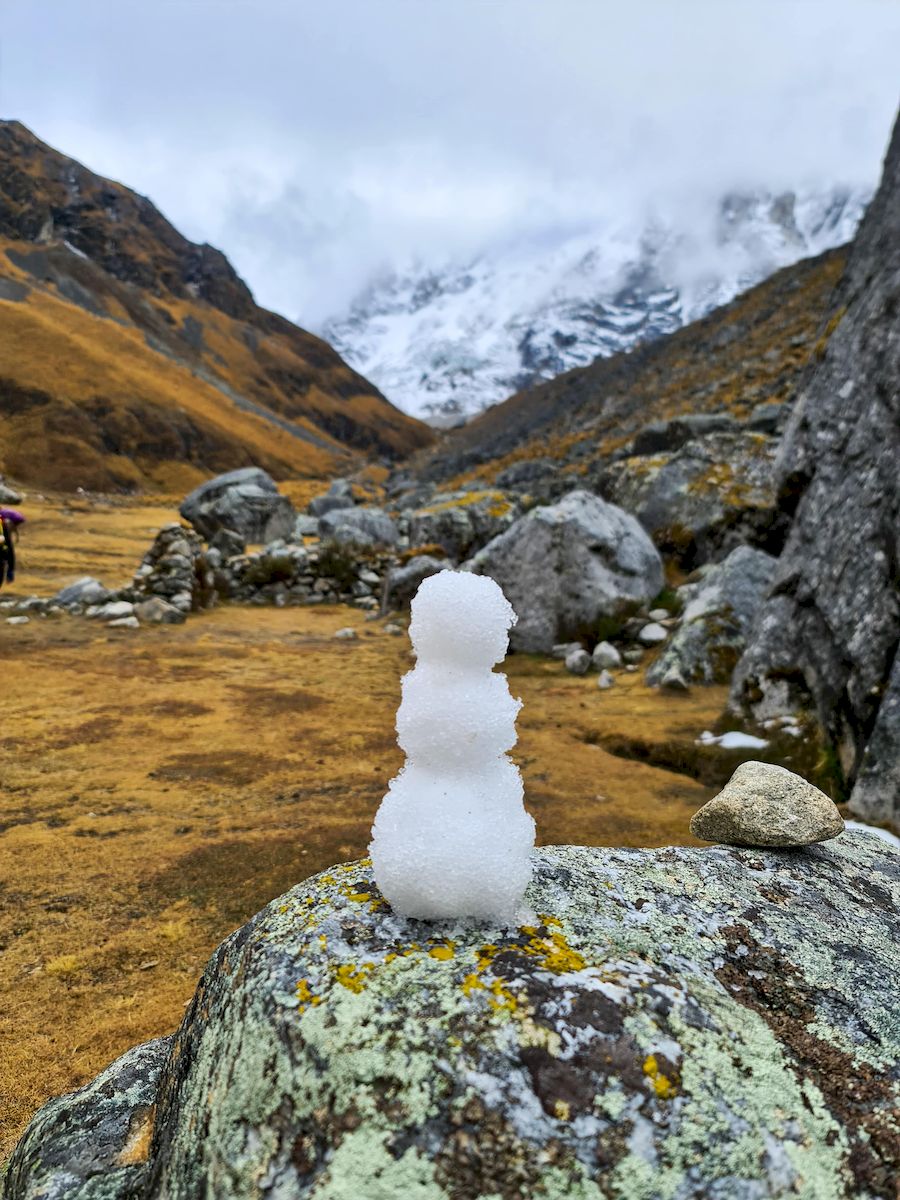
column 324, row 147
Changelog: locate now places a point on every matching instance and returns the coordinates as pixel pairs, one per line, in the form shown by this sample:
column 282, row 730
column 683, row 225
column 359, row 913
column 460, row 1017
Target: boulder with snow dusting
column 689, row 1023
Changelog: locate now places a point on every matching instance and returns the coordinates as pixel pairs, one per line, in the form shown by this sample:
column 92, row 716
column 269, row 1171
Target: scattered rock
column 719, row 610
column 403, row 582
column 156, row 611
column 17, row 620
column 461, row 522
column 673, row 681
column 578, row 662
column 339, row 495
column 346, row 635
column 305, row 526
column 653, row 634
column 562, row 649
column 85, row 590
column 659, row 614
column 359, row 526
column 705, row 989
column 246, row 501
column 395, row 630
column 568, row 566
column 129, row 622
column 606, row 655
column 605, row 680
column 9, row 495
column 113, row 611
column 765, row 805
column 633, row 655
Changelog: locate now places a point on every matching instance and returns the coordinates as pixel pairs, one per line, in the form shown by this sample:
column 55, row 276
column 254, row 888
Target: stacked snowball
column 452, row 837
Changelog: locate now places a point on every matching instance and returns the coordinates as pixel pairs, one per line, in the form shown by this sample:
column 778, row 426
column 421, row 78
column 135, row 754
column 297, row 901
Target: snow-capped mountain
column 446, row 340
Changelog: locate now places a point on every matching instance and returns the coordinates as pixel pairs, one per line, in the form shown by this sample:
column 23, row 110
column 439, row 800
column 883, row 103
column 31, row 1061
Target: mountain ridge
column 131, row 357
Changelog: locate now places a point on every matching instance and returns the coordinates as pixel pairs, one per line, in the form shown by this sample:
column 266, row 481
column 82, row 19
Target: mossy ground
column 161, row 785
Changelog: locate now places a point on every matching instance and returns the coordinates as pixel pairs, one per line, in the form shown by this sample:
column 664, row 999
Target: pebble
column 766, row 805
column 396, row 630
column 633, row 656
column 346, row 635
column 659, row 614
column 17, row 620
column 130, row 622
column 605, row 680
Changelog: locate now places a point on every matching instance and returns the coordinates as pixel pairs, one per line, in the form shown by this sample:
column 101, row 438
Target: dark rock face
column 829, row 631
column 678, row 1022
column 246, row 501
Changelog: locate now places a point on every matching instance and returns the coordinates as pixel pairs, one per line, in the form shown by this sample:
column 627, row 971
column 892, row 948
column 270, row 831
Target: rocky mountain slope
column 828, row 635
column 131, row 357
column 453, row 338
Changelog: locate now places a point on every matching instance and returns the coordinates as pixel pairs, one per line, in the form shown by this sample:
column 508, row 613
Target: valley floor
column 160, row 785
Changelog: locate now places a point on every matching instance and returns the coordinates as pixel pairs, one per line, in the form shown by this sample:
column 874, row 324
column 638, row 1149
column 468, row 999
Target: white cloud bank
column 316, row 143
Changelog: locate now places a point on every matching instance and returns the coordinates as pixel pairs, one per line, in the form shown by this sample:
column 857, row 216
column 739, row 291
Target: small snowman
column 452, row 837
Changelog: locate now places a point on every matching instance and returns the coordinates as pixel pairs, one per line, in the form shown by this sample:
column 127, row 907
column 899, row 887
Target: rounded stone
column 766, row 805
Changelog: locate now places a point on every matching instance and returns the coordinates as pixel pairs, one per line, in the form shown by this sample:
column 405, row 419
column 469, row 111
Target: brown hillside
column 743, row 354
column 131, row 357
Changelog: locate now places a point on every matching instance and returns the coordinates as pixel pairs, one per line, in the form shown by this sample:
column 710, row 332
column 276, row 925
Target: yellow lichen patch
column 662, row 1085
column 561, row 1110
column 444, row 951
column 352, row 977
column 137, row 1147
column 501, row 999
column 471, row 984
column 305, row 996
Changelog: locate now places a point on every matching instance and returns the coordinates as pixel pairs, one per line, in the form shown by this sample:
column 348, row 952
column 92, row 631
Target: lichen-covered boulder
column 570, row 567
column 718, row 613
column 702, row 499
column 682, row 1023
column 461, row 522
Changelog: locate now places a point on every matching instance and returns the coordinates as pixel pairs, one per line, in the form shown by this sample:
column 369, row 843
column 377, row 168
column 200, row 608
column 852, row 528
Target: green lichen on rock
column 672, row 1023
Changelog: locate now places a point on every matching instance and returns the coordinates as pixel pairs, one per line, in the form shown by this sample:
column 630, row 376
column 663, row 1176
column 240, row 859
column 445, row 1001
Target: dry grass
column 161, row 785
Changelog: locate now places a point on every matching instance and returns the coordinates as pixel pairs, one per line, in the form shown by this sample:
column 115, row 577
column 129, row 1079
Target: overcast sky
column 316, row 141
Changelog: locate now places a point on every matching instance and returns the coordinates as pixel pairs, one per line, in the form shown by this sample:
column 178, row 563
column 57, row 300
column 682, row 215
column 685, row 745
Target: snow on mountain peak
column 444, row 340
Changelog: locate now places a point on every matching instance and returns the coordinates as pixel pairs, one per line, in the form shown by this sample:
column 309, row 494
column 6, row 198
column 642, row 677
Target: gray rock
column 578, row 661
column 672, row 680
column 346, row 635
column 461, row 522
column 682, row 1022
column 827, row 635
column 567, row 567
column 402, row 583
column 176, row 568
column 246, row 501
column 305, row 526
column 659, row 614
column 128, row 622
column 702, row 500
column 561, row 649
column 633, row 655
column 765, row 805
column 606, row 655
column 360, row 526
column 339, row 495
column 605, row 681
column 85, row 590
column 156, row 611
column 9, row 495
column 652, row 634
column 670, row 435
column 114, row 610
column 768, row 417
column 17, row 620
column 227, row 542
column 718, row 613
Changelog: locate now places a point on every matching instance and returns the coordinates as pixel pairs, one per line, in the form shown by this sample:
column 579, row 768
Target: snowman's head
column 461, row 620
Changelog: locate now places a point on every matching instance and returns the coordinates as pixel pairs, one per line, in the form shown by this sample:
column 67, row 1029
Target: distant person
column 10, row 520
